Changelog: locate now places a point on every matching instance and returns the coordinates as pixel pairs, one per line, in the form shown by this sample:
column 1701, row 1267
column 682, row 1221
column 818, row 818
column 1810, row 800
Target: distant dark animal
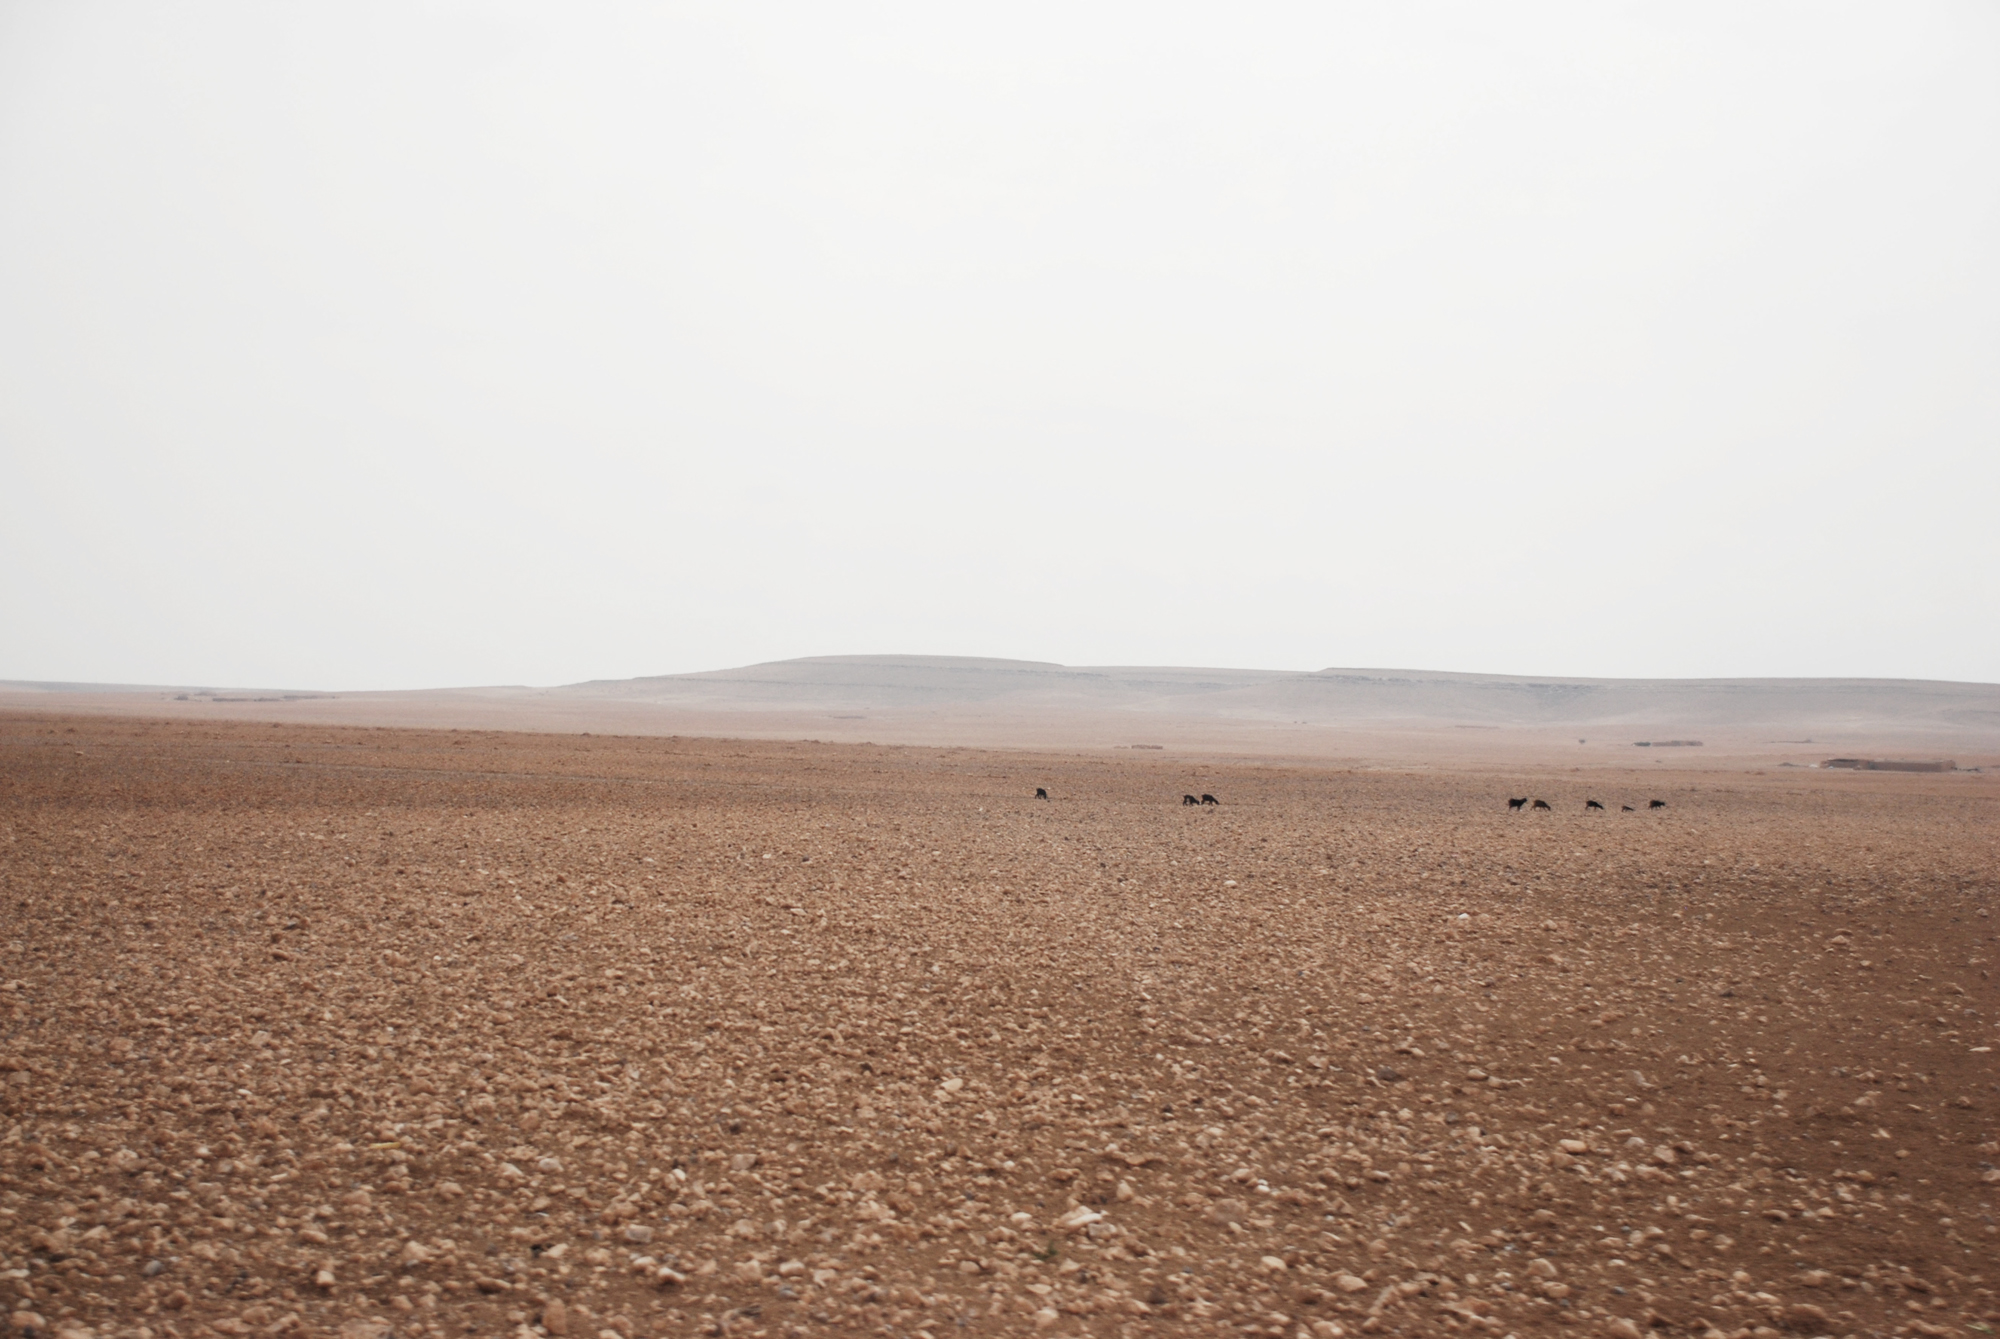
column 1041, row 792
column 1656, row 804
column 1592, row 804
column 1189, row 799
column 1210, row 799
column 1626, row 808
column 1541, row 804
column 1521, row 803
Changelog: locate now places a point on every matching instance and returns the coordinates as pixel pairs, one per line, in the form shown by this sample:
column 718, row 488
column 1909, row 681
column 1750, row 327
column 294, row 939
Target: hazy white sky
column 394, row 345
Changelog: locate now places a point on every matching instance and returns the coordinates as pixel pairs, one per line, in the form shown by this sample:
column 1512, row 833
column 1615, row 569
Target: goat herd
column 1042, row 793
column 1522, row 803
column 1513, row 806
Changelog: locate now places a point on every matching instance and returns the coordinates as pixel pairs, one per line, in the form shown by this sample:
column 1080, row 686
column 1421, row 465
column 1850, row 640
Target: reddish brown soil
column 317, row 1031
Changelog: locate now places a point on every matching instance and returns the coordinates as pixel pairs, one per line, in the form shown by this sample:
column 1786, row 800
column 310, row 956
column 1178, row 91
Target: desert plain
column 318, row 1030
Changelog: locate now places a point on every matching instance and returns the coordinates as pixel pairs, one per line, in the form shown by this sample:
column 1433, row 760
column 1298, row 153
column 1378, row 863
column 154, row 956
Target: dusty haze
column 1356, row 714
column 383, row 345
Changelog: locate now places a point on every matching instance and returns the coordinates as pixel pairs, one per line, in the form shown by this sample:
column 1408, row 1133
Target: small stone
column 669, row 1278
column 1541, row 1268
column 1349, row 1283
column 1274, row 1264
column 1665, row 1155
column 1045, row 1318
column 1327, row 1329
column 1576, row 1148
column 324, row 1278
column 1228, row 1211
column 1806, row 1316
column 555, row 1318
column 1388, row 1074
column 1621, row 1328
column 742, row 1162
column 548, row 1165
column 27, row 1320
column 1078, row 1218
column 414, row 1253
column 638, row 1234
column 1125, row 1191
column 791, row 1269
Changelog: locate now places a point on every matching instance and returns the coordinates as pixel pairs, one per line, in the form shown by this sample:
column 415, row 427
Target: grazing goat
column 1592, row 804
column 1521, row 803
column 1656, row 804
column 1625, row 808
column 1210, row 799
column 1189, row 799
column 1041, row 792
column 1541, row 804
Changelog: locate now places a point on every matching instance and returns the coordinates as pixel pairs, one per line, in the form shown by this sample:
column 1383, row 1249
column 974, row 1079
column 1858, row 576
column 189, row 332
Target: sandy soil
column 323, row 1031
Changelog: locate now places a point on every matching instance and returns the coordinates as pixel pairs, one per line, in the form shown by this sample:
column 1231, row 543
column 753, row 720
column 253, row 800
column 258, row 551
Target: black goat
column 1189, row 799
column 1626, row 808
column 1521, row 803
column 1656, row 804
column 1541, row 804
column 1041, row 792
column 1592, row 804
column 1210, row 799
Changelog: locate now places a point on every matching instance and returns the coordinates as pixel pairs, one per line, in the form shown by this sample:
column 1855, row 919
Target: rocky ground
column 350, row 1032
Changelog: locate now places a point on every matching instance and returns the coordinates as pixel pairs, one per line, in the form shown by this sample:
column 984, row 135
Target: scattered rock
column 746, row 1091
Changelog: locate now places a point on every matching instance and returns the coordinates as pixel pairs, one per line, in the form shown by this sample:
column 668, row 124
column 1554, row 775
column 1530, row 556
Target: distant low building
column 1888, row 765
column 1665, row 743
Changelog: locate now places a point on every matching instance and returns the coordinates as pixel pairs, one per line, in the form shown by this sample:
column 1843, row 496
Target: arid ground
column 325, row 1031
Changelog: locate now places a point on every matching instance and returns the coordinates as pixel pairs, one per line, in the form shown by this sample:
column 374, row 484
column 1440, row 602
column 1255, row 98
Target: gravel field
column 350, row 1032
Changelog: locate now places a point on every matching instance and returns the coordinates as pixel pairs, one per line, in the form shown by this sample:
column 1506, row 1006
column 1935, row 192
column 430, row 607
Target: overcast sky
column 398, row 345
